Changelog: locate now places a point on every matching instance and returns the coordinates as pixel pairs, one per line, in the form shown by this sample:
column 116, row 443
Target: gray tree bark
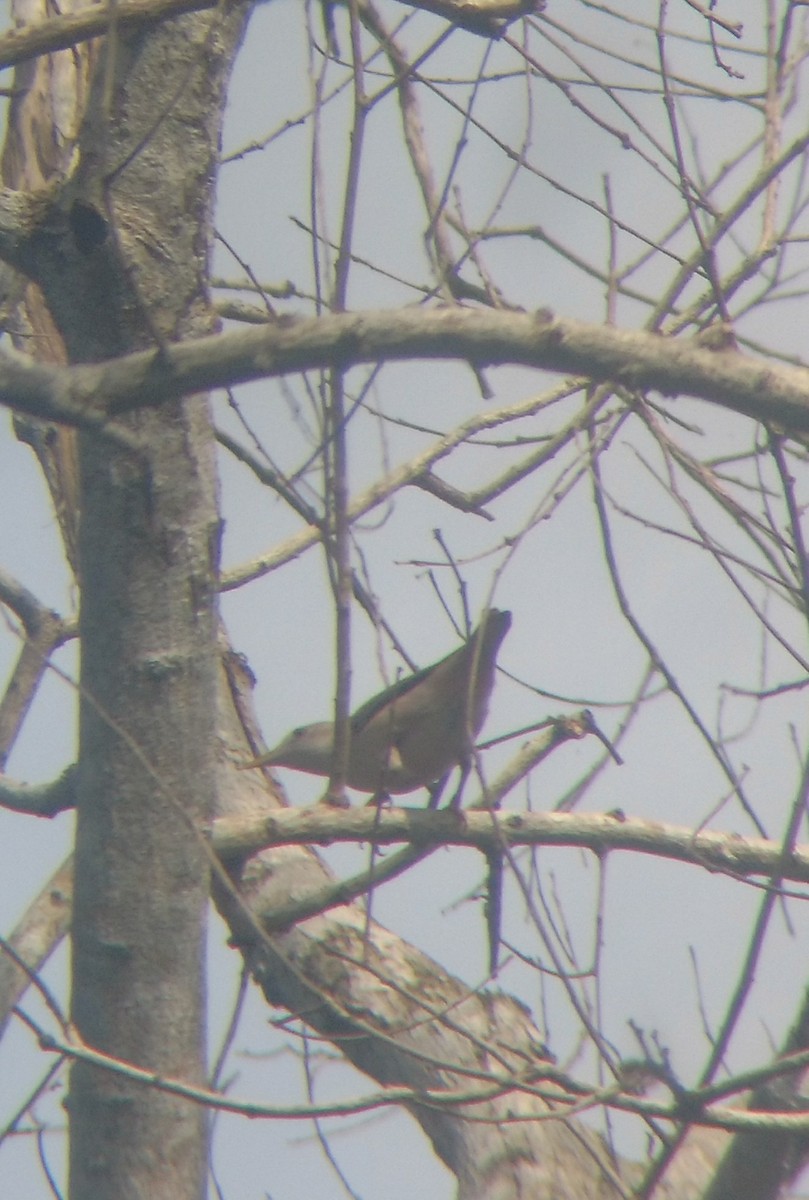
column 120, row 262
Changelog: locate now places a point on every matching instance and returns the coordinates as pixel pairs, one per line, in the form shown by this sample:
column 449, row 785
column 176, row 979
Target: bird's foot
column 335, row 799
column 380, row 800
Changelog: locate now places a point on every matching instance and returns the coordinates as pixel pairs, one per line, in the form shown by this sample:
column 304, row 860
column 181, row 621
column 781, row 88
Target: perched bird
column 413, row 732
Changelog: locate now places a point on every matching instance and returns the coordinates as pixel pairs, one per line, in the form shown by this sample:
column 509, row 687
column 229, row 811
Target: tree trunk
column 120, row 262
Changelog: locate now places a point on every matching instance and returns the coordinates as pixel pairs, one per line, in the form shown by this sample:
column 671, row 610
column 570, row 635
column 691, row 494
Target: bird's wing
column 419, row 728
column 409, row 700
column 395, row 692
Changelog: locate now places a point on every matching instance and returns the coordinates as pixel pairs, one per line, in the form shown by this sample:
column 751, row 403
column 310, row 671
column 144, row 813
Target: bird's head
column 307, row 748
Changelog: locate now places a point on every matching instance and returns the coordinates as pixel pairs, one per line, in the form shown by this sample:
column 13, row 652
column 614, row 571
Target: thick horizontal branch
column 486, row 17
column 58, row 33
column 486, row 831
column 320, row 824
column 637, row 360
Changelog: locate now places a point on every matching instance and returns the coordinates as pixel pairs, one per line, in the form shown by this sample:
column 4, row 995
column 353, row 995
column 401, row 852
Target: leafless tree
column 473, row 305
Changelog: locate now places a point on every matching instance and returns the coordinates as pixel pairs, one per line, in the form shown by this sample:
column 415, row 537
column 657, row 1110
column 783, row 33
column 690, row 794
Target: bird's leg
column 466, row 766
column 335, row 799
column 381, row 799
column 436, row 791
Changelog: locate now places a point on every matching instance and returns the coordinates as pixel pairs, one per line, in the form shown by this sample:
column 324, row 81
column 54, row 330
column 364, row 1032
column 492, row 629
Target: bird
column 414, row 732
